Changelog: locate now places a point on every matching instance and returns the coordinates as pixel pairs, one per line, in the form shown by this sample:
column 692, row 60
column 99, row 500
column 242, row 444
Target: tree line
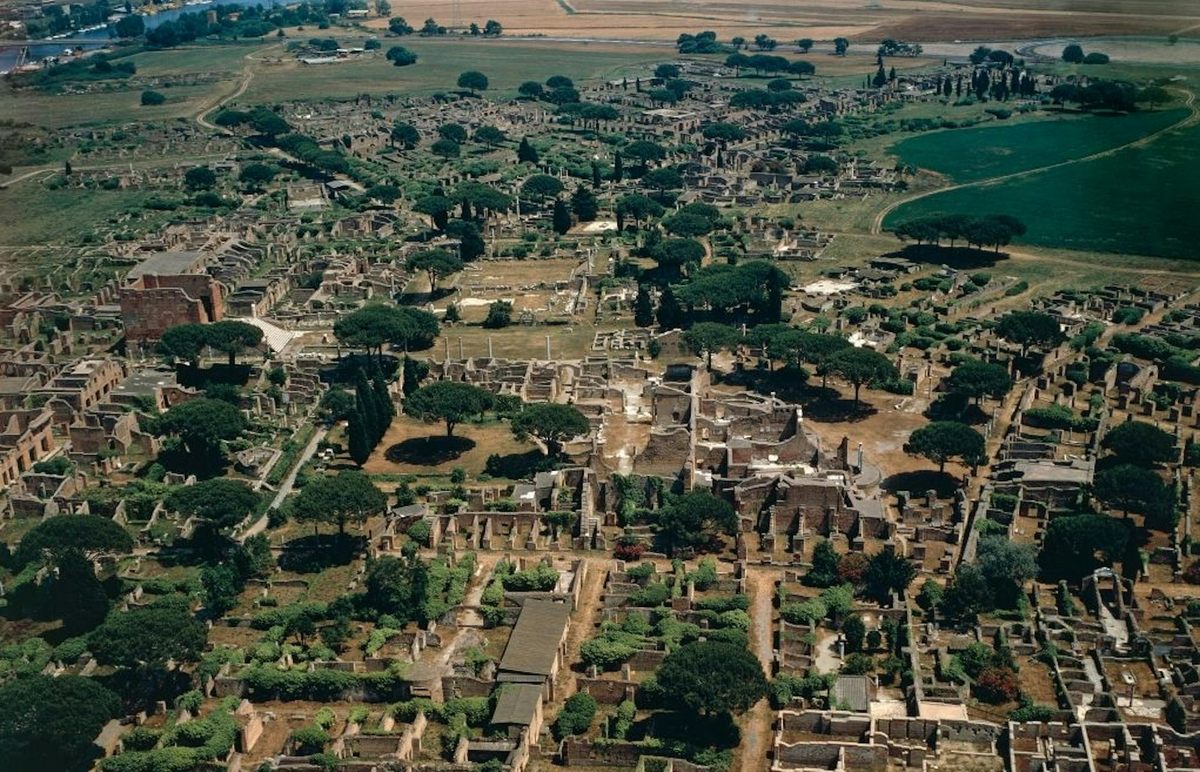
column 994, row 230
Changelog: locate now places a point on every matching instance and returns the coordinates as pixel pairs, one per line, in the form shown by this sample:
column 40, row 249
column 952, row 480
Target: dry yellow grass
column 823, row 20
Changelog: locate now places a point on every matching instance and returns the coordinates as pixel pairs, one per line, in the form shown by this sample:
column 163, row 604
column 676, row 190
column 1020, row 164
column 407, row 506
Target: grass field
column 1137, row 201
column 112, row 107
column 820, row 19
column 506, row 63
column 67, row 213
column 967, row 155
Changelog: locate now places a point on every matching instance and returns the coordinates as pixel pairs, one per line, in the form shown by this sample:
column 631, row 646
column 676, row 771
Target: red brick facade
column 151, row 304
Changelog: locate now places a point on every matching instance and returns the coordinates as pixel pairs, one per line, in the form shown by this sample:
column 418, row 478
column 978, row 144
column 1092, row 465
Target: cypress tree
column 368, row 406
column 414, row 373
column 561, row 217
column 596, row 180
column 384, row 398
column 670, row 314
column 880, row 77
column 643, row 307
column 357, row 439
column 526, row 153
column 618, row 167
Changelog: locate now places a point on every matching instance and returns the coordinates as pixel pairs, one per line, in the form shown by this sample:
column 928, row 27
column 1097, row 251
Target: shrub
column 997, row 685
column 420, row 533
column 651, row 595
column 576, row 716
column 309, row 740
column 141, row 738
column 151, row 98
column 724, row 603
column 641, row 572
column 1057, row 417
column 705, row 575
column 190, row 701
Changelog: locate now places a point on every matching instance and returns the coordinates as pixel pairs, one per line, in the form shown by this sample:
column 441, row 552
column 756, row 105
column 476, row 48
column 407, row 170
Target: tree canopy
column 941, row 441
column 1137, row 489
column 1030, row 328
column 50, row 722
column 232, row 337
column 473, row 81
column 76, row 595
column 436, row 263
column 710, row 677
column 540, row 187
column 694, row 519
column 349, row 496
column 449, row 401
column 887, row 573
column 1006, row 566
column 221, row 501
column 1075, row 545
column 149, row 636
column 1140, row 443
column 550, row 422
column 373, row 326
column 859, row 366
column 707, row 338
column 976, row 379
column 90, row 534
column 202, row 423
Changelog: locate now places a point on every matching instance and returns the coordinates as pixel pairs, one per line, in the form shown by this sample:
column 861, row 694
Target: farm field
column 967, row 155
column 819, row 19
column 1110, row 204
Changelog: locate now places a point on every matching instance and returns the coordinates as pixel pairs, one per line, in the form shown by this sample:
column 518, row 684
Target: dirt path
column 1193, row 117
column 756, row 724
column 583, row 622
column 220, row 101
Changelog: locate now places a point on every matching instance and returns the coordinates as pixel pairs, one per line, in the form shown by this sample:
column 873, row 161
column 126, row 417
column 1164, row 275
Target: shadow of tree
column 309, row 554
column 428, row 451
column 839, row 411
column 922, row 480
column 955, row 407
column 963, row 258
column 519, row 466
column 345, row 370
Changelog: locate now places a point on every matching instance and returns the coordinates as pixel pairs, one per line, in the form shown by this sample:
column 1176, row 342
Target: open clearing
column 507, row 64
column 966, row 155
column 1115, row 203
column 819, row 19
column 479, row 441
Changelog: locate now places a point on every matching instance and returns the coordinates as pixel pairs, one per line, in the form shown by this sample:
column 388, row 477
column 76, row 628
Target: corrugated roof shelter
column 518, row 705
column 169, row 264
column 853, row 692
column 531, row 655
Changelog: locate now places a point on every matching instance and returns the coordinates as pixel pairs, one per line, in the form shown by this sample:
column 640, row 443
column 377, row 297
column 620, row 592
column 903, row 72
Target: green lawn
column 966, row 155
column 1138, row 201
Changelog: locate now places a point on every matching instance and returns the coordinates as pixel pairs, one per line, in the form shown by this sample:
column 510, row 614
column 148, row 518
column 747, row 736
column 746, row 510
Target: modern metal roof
column 533, row 646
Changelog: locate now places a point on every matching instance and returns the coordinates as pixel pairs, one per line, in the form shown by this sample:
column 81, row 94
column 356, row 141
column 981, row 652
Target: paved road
column 288, row 483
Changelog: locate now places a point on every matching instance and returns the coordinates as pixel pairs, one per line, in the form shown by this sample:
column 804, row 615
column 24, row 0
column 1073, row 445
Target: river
column 96, row 38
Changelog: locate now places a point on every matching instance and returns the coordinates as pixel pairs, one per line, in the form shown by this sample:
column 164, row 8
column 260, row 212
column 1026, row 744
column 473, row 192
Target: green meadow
column 967, row 155
column 1136, row 201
